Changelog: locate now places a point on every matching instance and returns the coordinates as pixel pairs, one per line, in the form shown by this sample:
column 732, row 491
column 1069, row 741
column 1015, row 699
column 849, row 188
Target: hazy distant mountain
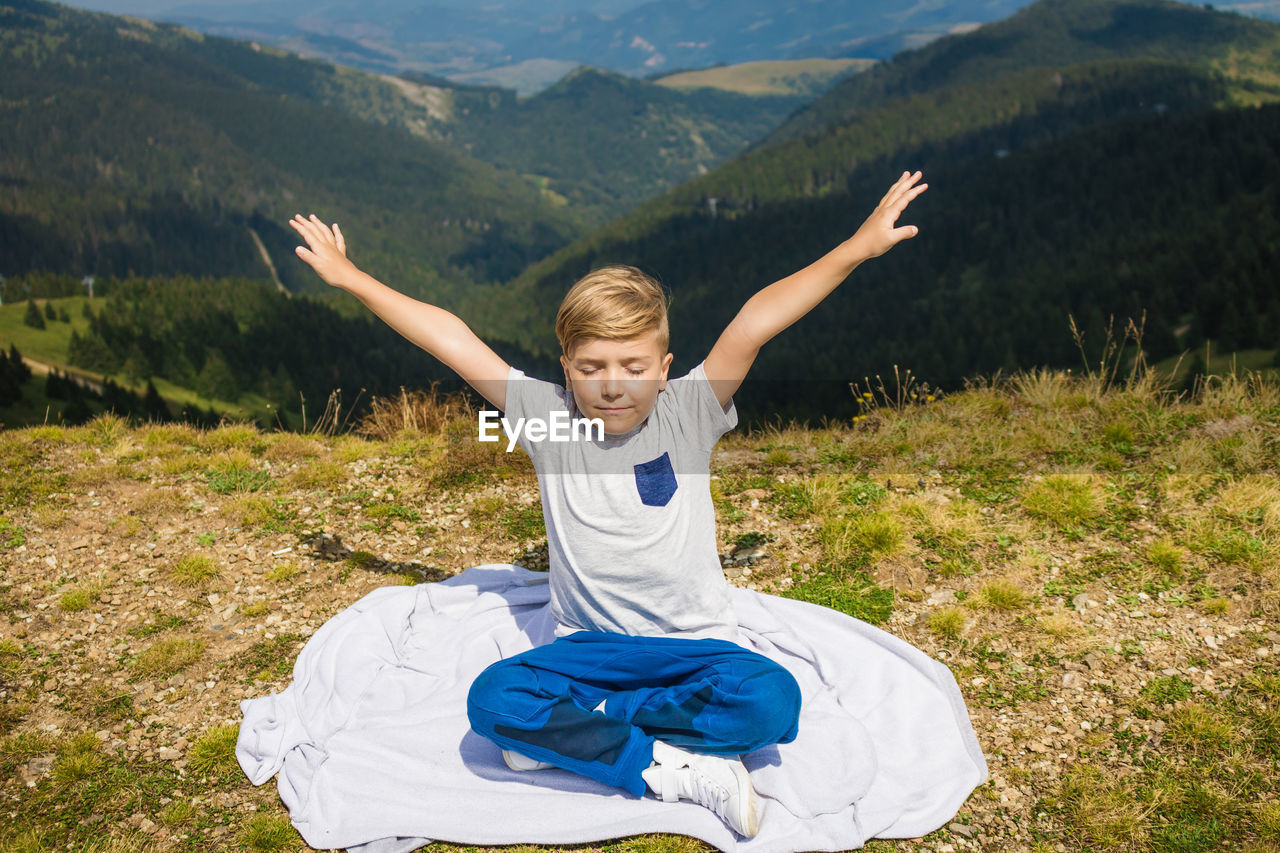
column 451, row 37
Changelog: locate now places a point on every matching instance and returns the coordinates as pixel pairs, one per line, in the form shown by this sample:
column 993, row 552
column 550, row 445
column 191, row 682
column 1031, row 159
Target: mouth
column 613, row 411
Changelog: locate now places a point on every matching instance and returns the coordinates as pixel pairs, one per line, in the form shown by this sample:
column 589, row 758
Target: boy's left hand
column 878, row 234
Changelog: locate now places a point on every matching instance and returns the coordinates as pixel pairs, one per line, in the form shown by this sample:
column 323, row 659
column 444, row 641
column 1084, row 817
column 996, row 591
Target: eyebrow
column 628, row 360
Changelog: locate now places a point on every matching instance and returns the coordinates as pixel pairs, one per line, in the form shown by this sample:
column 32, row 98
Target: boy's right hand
column 328, row 252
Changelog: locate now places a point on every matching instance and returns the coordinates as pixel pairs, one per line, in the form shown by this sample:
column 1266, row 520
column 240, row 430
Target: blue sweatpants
column 704, row 695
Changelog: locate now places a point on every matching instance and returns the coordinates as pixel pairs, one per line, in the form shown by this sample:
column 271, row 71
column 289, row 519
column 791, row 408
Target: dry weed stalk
column 906, row 393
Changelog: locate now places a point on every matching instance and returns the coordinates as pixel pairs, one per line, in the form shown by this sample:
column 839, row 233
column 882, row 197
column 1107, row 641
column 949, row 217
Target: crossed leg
column 705, row 695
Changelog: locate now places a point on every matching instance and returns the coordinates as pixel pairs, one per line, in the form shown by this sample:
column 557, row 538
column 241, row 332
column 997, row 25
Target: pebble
column 961, row 829
column 942, row 596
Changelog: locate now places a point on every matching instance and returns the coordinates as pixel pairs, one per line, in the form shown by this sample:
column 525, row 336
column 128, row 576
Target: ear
column 564, row 363
column 666, row 365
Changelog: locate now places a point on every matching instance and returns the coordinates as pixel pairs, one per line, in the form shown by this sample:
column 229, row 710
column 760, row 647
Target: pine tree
column 33, row 317
column 54, row 387
column 153, row 405
column 76, row 411
column 10, row 386
column 17, row 365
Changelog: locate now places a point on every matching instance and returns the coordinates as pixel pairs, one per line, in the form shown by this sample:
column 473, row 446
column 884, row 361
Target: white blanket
column 374, row 752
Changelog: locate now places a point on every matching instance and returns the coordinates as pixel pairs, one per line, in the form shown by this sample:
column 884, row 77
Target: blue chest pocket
column 656, row 481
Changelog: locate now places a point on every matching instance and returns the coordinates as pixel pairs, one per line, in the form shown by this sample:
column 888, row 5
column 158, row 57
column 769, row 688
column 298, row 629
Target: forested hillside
column 1061, row 32
column 237, row 345
column 598, row 141
column 177, row 153
column 1100, row 188
column 124, row 154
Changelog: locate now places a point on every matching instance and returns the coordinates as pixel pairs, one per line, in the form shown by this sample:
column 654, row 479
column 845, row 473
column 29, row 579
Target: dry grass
column 414, row 413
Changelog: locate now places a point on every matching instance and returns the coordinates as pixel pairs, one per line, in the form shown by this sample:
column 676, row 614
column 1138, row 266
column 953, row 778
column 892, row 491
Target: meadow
column 1097, row 561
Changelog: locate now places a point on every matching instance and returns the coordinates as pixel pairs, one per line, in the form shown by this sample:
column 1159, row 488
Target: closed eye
column 585, row 371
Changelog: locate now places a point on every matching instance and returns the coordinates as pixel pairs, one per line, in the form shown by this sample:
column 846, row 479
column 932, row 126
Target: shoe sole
column 509, row 758
column 753, row 804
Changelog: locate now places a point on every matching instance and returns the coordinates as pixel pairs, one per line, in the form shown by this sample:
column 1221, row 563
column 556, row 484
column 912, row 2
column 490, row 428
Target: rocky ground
column 155, row 577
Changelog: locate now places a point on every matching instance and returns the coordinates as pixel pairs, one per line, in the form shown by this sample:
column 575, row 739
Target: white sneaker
column 721, row 784
column 519, row 762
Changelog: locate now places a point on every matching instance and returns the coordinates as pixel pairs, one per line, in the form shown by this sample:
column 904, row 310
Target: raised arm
column 780, row 304
column 434, row 329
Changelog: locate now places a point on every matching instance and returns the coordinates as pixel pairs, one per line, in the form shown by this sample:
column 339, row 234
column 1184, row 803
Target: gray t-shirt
column 630, row 523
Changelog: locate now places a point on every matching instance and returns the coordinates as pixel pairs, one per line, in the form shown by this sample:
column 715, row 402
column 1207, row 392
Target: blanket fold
column 374, row 752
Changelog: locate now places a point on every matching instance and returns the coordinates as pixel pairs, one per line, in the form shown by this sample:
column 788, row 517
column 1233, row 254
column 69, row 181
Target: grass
column 269, row 833
column 1000, row 594
column 1015, row 496
column 80, row 598
column 195, row 570
column 948, row 622
column 283, row 572
column 214, row 753
column 272, row 659
column 851, row 592
column 168, row 656
column 783, row 77
column 232, row 478
column 1067, row 500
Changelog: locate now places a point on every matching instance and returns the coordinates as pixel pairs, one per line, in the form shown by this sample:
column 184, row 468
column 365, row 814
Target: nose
column 611, row 387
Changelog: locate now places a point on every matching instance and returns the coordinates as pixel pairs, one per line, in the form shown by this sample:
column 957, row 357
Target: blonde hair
column 615, row 303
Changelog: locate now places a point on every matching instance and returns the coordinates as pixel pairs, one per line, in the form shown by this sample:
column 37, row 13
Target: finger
column 300, row 226
column 313, row 232
column 907, row 197
column 899, row 204
column 342, row 244
column 306, row 254
column 899, row 186
column 321, row 229
column 906, row 232
column 305, row 228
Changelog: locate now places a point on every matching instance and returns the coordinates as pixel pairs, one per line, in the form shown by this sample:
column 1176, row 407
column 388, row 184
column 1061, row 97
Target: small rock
column 36, row 769
column 167, row 754
column 942, row 596
column 961, row 829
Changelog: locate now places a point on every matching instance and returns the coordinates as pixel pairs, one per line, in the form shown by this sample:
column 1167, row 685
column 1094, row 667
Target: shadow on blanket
column 374, row 752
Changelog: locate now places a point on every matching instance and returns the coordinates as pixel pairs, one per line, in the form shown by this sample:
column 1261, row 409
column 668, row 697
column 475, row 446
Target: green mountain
column 1077, row 189
column 1053, row 33
column 175, row 152
column 132, row 147
column 599, row 141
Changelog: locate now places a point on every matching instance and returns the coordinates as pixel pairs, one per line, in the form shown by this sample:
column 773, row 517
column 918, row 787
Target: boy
column 644, row 686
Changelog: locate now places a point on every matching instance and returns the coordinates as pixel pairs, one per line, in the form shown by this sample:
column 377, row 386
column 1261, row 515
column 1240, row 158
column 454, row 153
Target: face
column 617, row 381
